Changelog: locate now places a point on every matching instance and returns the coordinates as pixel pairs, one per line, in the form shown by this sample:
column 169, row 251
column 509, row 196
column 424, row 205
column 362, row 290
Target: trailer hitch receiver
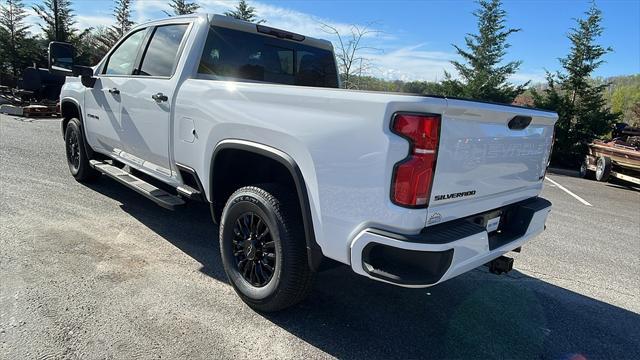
column 501, row 265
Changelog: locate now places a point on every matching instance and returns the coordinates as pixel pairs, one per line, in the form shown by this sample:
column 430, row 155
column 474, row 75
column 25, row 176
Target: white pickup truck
column 404, row 189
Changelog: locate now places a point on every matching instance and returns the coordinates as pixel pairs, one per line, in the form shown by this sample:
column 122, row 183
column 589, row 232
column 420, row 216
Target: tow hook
column 501, row 265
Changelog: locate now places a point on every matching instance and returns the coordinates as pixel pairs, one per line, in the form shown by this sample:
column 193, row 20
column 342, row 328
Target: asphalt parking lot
column 97, row 271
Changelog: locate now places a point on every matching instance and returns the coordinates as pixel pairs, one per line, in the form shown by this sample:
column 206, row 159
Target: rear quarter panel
column 340, row 140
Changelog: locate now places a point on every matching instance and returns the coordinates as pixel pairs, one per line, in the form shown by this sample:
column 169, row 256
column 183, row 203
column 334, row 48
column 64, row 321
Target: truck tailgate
column 484, row 159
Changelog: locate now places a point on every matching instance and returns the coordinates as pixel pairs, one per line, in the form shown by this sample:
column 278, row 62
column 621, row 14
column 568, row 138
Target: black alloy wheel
column 263, row 247
column 254, row 249
column 73, row 151
column 76, row 151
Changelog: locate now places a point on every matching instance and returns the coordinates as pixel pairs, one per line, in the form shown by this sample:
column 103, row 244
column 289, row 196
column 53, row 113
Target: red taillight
column 412, row 177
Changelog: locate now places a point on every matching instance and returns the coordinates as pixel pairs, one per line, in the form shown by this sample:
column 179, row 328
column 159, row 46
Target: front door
column 103, row 102
column 147, row 98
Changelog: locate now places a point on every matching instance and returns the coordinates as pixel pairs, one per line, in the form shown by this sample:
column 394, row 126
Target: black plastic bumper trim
column 515, row 220
column 437, row 234
column 454, row 230
column 414, row 267
column 405, row 267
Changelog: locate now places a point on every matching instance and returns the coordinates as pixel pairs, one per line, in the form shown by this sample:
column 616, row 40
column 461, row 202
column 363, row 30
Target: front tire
column 263, row 248
column 77, row 158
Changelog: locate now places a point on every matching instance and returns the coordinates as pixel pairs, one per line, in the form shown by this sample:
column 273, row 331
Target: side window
column 122, row 60
column 161, row 55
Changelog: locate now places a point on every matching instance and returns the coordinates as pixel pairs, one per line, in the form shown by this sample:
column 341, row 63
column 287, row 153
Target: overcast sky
column 414, row 42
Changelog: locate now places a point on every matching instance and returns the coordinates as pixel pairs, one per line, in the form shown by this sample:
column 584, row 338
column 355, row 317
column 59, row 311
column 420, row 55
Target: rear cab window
column 247, row 56
column 161, row 56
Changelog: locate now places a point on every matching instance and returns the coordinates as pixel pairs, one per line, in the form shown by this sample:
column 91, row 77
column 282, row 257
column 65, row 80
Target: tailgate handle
column 519, row 122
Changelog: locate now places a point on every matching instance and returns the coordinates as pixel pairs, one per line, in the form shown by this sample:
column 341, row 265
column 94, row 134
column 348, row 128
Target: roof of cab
column 173, row 18
column 236, row 24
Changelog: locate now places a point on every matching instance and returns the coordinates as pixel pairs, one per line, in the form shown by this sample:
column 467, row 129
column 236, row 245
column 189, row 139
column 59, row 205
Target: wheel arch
column 70, row 108
column 314, row 252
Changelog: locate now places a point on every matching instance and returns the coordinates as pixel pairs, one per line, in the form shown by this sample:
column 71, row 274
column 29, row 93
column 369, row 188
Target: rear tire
column 263, row 248
column 603, row 168
column 585, row 173
column 77, row 157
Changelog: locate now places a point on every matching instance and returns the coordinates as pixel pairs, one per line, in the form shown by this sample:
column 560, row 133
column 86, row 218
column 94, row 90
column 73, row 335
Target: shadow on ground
column 477, row 315
column 623, row 185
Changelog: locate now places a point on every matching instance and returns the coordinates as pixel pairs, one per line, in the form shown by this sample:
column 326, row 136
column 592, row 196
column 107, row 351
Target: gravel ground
column 97, row 271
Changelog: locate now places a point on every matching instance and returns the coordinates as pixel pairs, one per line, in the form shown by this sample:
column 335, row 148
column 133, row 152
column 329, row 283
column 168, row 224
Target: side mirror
column 61, row 58
column 61, row 62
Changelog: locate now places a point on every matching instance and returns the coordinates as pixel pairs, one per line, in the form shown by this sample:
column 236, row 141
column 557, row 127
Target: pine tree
column 244, row 12
column 58, row 18
column 4, row 59
column 100, row 40
column 105, row 38
column 581, row 106
column 122, row 13
column 482, row 75
column 182, row 7
column 59, row 25
column 17, row 46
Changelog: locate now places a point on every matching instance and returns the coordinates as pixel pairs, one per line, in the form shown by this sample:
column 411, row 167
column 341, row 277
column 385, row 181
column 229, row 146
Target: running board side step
column 159, row 196
column 189, row 192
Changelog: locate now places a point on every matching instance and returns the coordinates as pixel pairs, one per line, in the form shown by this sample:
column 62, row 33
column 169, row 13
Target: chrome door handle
column 159, row 97
column 114, row 91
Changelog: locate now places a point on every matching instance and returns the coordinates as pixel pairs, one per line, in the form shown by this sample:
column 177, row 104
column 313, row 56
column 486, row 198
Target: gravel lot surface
column 97, row 271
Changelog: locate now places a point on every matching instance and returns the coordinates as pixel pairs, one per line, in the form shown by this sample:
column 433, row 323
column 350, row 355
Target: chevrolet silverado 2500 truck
column 408, row 190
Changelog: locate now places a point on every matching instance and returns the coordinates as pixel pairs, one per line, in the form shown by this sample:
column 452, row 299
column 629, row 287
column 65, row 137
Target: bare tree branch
column 348, row 51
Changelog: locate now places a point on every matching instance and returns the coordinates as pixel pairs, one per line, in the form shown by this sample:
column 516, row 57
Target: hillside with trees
column 622, row 93
column 623, row 96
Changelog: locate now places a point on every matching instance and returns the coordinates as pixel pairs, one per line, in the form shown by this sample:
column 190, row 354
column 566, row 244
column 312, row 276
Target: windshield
column 248, row 56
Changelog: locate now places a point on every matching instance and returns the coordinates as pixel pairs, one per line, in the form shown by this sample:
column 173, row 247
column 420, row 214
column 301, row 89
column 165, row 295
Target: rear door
column 147, row 99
